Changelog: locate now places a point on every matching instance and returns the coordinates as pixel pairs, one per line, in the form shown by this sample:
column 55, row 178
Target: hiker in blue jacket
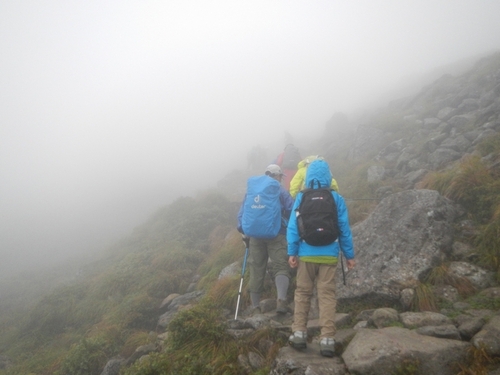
column 261, row 249
column 317, row 264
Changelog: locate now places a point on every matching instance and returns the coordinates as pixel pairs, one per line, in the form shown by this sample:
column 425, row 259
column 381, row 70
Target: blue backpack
column 262, row 208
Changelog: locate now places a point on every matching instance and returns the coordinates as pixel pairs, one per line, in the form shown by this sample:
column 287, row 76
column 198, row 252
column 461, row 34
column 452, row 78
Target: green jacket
column 297, row 183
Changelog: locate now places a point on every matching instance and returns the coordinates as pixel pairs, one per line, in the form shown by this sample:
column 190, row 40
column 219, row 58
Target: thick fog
column 111, row 109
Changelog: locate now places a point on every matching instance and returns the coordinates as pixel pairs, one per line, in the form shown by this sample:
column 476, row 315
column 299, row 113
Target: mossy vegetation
column 408, row 367
column 424, row 298
column 441, row 275
column 77, row 327
column 477, row 362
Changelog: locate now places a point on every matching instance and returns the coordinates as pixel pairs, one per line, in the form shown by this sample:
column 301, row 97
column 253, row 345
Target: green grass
column 76, row 327
column 424, row 299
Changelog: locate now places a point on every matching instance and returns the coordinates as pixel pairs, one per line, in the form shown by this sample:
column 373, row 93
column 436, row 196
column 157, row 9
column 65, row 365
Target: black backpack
column 317, row 217
column 291, row 157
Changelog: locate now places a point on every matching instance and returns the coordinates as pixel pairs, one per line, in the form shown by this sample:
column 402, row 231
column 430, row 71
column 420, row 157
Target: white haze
column 111, row 109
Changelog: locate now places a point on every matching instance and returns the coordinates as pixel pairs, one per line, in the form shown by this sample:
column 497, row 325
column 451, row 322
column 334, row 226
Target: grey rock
column 185, row 299
column 448, row 331
column 181, row 300
column 268, row 304
column 480, row 313
column 493, row 292
column 442, row 156
column 439, row 138
column 393, row 147
column 479, row 277
column 229, row 271
column 460, row 251
column 489, row 337
column 413, row 177
column 446, row 293
column 460, row 306
column 166, row 302
column 472, row 135
column 364, row 315
column 237, row 324
column 265, row 345
column 404, row 158
column 406, row 298
column 361, row 324
column 342, row 338
column 487, row 99
column 256, row 361
column 470, row 327
column 381, row 352
column 459, row 143
column 425, row 318
column 383, row 192
column 403, row 238
column 366, row 140
column 431, row 123
column 308, row 361
column 383, row 317
column 446, row 113
column 239, row 334
column 430, row 146
column 191, row 288
column 113, row 366
column 258, row 321
column 410, row 119
column 468, row 105
column 462, row 122
column 375, row 173
column 244, row 364
column 139, row 352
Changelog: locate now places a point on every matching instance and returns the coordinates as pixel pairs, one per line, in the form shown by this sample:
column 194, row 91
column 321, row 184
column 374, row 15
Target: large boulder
column 407, row 235
column 385, row 351
column 489, row 337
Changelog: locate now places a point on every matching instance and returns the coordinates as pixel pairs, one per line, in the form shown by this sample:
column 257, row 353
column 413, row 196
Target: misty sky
column 111, row 109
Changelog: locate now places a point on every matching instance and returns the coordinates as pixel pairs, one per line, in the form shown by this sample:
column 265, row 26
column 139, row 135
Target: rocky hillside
column 436, row 127
column 417, row 302
column 423, row 298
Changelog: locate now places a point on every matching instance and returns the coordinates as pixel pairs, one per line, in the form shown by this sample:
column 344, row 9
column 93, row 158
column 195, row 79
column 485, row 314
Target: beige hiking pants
column 324, row 276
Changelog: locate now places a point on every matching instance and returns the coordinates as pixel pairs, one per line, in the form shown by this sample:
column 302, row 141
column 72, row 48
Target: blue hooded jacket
column 319, row 171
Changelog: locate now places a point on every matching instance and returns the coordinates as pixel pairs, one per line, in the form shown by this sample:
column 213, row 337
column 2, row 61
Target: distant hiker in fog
column 288, row 161
column 318, row 230
column 298, row 181
column 256, row 158
column 263, row 218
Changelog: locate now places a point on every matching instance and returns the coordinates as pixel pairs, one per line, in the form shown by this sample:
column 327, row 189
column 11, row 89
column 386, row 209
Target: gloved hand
column 245, row 239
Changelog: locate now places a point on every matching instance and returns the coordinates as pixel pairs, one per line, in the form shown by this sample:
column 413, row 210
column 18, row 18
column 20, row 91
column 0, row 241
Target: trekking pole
column 246, row 241
column 342, row 265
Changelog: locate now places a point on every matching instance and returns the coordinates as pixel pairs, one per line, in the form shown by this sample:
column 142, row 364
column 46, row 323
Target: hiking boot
column 298, row 340
column 327, row 347
column 282, row 306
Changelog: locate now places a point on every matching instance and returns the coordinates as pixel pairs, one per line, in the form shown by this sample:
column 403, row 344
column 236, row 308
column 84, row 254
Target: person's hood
column 318, row 171
column 308, row 160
